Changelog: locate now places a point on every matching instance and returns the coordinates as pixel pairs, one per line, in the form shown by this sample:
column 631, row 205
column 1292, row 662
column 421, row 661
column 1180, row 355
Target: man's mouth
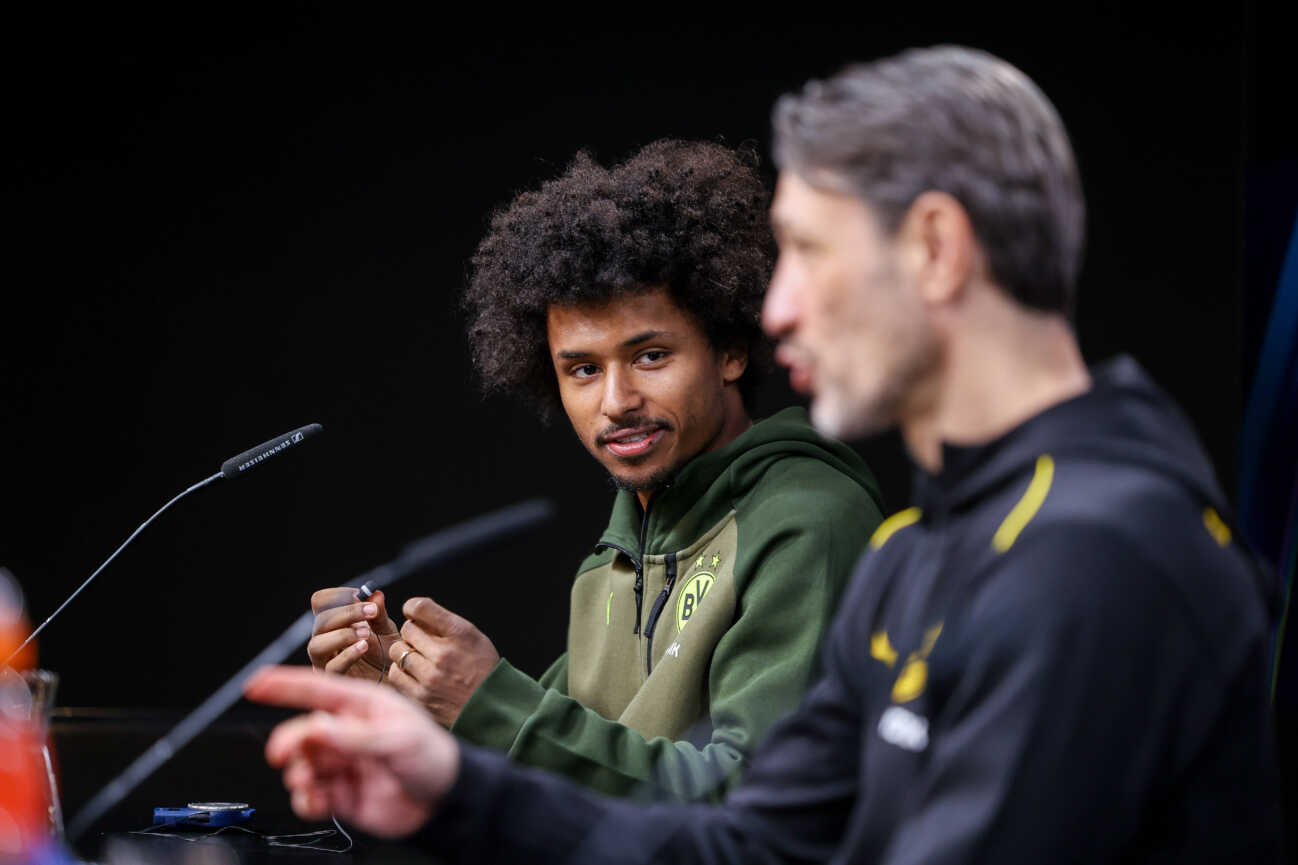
column 632, row 442
column 799, row 368
column 800, row 380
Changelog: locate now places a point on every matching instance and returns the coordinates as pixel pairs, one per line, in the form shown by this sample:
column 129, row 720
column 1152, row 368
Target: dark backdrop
column 226, row 226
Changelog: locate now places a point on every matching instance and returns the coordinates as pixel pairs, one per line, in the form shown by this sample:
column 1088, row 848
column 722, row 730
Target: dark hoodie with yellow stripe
column 1060, row 654
column 693, row 625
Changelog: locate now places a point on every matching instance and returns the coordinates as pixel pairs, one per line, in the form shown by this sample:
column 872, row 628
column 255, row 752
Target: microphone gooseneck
column 232, row 467
column 196, row 486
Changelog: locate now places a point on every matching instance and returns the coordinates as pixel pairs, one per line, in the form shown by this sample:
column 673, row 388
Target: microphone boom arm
column 435, row 549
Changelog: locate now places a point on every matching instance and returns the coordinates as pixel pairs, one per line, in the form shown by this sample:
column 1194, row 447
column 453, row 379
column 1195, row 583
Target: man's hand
column 342, row 623
column 440, row 659
column 366, row 754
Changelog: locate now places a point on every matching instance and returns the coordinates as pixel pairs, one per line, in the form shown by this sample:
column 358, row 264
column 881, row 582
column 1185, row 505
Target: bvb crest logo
column 693, row 592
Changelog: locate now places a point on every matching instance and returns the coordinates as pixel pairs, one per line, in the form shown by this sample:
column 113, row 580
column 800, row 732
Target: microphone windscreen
column 249, row 459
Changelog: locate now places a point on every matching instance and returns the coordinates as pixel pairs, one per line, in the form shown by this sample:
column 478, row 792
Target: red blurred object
column 24, row 811
column 13, row 630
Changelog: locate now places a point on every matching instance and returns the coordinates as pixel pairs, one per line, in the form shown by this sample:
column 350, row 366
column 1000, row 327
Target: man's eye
column 586, row 370
column 652, row 356
column 797, row 245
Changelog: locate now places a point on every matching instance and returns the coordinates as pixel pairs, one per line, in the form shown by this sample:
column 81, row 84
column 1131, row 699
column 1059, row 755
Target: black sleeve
column 792, row 807
column 1085, row 692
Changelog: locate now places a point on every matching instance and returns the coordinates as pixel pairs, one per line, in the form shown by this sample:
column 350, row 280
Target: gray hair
column 959, row 121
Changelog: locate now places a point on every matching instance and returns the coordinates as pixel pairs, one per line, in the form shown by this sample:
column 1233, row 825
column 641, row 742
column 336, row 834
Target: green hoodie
column 693, row 626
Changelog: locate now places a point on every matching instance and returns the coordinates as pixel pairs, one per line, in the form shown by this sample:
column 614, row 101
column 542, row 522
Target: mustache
column 788, row 352
column 633, row 423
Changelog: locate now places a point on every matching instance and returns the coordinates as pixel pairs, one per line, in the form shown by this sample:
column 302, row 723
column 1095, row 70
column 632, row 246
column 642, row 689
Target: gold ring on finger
column 401, row 662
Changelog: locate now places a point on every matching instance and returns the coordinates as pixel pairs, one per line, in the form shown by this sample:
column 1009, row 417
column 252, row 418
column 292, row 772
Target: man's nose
column 621, row 396
column 779, row 308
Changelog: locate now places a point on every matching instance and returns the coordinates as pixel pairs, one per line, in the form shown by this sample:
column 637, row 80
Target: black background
column 225, row 225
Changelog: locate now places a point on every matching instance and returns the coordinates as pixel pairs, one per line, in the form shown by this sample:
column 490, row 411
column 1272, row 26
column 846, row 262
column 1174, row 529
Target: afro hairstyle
column 687, row 215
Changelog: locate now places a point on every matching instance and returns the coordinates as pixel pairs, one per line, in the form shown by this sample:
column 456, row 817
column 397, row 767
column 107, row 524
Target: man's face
column 641, row 384
column 851, row 327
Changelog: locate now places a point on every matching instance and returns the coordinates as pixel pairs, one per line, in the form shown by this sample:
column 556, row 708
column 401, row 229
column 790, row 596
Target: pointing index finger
column 304, row 688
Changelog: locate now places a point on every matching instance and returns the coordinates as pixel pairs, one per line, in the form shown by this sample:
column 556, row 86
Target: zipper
column 637, row 562
column 657, row 610
column 639, row 571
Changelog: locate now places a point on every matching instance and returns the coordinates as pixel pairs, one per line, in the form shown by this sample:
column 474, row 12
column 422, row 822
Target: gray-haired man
column 1059, row 654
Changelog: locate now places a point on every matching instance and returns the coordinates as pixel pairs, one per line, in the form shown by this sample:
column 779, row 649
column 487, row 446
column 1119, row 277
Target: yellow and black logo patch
column 692, row 594
column 913, row 677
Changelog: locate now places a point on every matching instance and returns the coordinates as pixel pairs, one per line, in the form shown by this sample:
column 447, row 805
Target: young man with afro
column 631, row 298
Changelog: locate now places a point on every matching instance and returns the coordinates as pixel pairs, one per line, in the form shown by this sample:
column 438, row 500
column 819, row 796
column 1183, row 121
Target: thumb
column 432, row 617
column 381, row 623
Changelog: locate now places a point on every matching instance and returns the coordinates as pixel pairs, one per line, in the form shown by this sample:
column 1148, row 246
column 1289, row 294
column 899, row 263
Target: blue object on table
column 204, row 814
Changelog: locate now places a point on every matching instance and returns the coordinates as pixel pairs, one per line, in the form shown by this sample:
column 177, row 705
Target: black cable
column 316, row 836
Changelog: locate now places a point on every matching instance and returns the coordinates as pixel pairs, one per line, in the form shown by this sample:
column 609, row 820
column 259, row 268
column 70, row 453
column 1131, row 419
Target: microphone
column 233, row 467
column 436, row 549
column 236, row 466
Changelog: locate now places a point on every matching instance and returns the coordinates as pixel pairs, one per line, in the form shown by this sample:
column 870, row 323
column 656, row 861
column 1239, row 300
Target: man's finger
column 310, row 804
column 417, row 687
column 431, row 616
column 402, row 681
column 323, row 647
column 328, row 599
column 410, row 673
column 299, row 774
column 343, row 661
column 303, row 688
column 419, row 658
column 301, row 740
column 342, row 737
column 285, row 744
column 346, row 616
